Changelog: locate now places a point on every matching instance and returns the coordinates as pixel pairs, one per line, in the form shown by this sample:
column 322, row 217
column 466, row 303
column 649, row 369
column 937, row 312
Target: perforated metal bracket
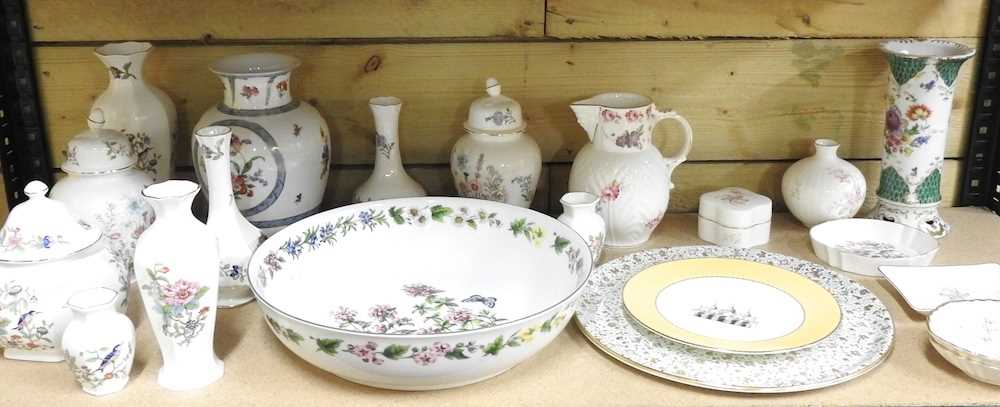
column 981, row 181
column 24, row 152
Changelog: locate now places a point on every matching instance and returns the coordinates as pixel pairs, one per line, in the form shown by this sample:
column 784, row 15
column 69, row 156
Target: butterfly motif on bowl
column 487, row 301
column 928, row 85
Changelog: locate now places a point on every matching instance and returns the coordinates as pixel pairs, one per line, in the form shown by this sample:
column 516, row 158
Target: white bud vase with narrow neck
column 389, row 179
column 823, row 187
column 176, row 268
column 237, row 237
column 99, row 342
column 144, row 113
column 580, row 213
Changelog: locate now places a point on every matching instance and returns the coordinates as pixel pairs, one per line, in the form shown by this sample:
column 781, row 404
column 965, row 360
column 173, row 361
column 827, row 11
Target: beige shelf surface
column 261, row 372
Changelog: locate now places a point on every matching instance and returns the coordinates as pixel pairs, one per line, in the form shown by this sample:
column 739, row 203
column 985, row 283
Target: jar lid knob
column 35, row 189
column 493, row 87
column 96, row 118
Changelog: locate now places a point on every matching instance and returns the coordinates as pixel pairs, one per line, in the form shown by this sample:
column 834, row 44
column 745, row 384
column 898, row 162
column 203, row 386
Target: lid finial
column 36, row 189
column 493, row 87
column 96, row 118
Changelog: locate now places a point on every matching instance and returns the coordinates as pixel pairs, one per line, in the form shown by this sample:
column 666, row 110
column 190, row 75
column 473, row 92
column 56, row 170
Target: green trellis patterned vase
column 921, row 90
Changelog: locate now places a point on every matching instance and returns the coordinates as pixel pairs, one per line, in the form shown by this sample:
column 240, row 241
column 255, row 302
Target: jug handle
column 681, row 156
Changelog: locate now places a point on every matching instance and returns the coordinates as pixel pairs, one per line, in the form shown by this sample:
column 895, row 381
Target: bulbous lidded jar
column 495, row 159
column 280, row 148
column 46, row 255
column 103, row 187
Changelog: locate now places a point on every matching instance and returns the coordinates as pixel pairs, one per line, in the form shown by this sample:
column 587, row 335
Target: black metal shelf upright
column 981, row 181
column 24, row 153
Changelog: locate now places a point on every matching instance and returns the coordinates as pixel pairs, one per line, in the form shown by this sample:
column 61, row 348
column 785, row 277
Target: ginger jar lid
column 734, row 207
column 98, row 150
column 494, row 113
column 41, row 229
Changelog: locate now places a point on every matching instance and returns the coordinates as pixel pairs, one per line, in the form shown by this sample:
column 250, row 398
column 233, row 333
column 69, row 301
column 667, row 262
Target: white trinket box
column 734, row 217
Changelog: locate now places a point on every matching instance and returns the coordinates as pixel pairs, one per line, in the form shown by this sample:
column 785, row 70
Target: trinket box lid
column 494, row 113
column 41, row 229
column 734, row 207
column 98, row 150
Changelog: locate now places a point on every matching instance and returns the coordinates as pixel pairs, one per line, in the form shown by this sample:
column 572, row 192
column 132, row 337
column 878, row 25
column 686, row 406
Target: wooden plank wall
column 758, row 80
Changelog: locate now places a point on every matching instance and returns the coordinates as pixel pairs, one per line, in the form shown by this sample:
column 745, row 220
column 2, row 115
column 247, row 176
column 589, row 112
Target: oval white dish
column 862, row 245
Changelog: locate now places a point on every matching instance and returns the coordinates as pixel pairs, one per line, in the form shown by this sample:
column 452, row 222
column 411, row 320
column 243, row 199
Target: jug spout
column 586, row 114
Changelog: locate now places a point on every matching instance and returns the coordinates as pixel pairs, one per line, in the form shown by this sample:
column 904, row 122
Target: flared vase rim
column 92, row 299
column 171, row 189
column 213, row 131
column 126, row 48
column 252, row 65
column 911, row 48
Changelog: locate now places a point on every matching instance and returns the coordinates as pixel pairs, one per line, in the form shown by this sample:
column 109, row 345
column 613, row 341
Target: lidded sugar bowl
column 495, row 159
column 103, row 187
column 46, row 255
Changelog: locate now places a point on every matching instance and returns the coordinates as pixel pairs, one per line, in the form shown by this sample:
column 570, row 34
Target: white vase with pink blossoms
column 176, row 268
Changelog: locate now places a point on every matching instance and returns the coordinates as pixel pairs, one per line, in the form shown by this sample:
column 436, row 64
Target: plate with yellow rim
column 731, row 305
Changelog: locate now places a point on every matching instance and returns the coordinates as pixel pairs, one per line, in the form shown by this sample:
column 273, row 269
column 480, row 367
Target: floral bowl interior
column 970, row 328
column 418, row 266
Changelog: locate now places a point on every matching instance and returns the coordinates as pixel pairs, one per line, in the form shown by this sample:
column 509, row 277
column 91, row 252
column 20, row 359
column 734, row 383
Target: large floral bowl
column 420, row 293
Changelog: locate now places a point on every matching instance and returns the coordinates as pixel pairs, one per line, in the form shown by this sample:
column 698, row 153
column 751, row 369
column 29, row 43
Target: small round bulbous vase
column 99, row 342
column 823, row 187
column 580, row 213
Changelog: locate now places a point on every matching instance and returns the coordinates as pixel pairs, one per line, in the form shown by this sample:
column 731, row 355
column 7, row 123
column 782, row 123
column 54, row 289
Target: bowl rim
column 968, row 353
column 388, row 202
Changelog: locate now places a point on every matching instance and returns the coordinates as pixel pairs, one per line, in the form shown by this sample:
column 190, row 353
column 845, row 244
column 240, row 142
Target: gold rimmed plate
column 731, row 305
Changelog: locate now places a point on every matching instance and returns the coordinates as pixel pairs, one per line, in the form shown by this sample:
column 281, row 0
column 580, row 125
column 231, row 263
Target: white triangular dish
column 928, row 287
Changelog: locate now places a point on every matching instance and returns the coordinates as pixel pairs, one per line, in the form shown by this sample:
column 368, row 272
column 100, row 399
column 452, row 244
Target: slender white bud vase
column 237, row 237
column 143, row 112
column 176, row 267
column 389, row 179
column 99, row 342
column 580, row 213
column 823, row 187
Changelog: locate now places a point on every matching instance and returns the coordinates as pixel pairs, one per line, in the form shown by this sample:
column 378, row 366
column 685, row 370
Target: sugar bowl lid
column 41, row 229
column 98, row 150
column 494, row 113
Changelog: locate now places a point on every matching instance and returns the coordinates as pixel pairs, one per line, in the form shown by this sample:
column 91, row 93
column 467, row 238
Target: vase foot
column 234, row 296
column 924, row 217
column 190, row 379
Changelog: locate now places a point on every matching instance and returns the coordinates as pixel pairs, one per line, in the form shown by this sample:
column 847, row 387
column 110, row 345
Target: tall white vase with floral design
column 922, row 83
column 389, row 179
column 177, row 268
column 622, row 166
column 237, row 237
column 823, row 187
column 99, row 342
column 580, row 213
column 496, row 159
column 144, row 113
column 280, row 147
column 103, row 187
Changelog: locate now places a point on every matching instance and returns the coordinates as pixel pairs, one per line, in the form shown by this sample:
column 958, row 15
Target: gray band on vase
column 294, row 104
column 264, row 224
column 279, row 162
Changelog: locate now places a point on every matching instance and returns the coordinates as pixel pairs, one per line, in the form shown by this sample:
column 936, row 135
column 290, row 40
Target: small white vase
column 99, row 342
column 144, row 113
column 176, row 267
column 823, row 187
column 389, row 179
column 580, row 213
column 496, row 159
column 237, row 237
